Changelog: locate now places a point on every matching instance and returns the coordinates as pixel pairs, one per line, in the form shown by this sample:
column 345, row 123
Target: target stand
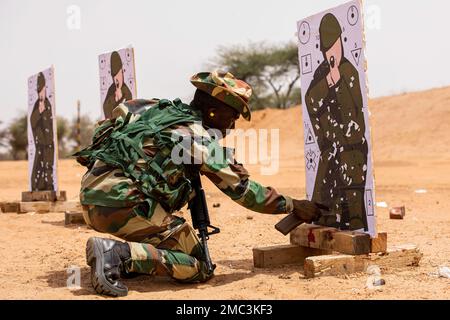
column 327, row 251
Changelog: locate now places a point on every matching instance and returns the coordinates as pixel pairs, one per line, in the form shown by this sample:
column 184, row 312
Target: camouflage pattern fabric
column 162, row 245
column 107, row 186
column 226, row 88
column 115, row 202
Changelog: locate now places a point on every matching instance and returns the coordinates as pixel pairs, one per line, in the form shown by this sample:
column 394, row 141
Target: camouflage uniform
column 110, row 101
column 337, row 117
column 42, row 128
column 162, row 243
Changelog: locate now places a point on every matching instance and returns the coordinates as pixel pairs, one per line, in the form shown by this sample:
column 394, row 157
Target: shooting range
column 299, row 153
column 117, row 79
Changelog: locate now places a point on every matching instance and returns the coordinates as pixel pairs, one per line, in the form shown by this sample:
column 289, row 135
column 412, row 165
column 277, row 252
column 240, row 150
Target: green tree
column 3, row 136
column 63, row 130
column 272, row 71
column 86, row 132
column 17, row 138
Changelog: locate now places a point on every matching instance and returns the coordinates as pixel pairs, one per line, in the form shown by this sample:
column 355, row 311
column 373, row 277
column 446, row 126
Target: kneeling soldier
column 135, row 184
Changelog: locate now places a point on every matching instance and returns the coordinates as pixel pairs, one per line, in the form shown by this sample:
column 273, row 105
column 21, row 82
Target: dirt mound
column 404, row 127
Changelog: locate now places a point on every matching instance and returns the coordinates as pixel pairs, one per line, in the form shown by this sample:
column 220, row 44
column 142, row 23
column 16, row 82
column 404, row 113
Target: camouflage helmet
column 225, row 87
column 40, row 82
column 116, row 63
column 330, row 31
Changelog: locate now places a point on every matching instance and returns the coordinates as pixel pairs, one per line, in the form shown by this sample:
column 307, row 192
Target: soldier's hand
column 308, row 211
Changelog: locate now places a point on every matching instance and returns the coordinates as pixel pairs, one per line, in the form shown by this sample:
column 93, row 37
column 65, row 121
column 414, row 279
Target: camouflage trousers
column 160, row 244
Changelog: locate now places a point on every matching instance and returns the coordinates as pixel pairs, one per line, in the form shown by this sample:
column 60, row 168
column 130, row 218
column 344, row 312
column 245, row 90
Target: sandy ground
column 411, row 152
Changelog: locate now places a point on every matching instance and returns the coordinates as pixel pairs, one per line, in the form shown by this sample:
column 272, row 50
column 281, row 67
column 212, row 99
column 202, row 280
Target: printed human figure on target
column 42, row 137
column 117, row 79
column 336, row 117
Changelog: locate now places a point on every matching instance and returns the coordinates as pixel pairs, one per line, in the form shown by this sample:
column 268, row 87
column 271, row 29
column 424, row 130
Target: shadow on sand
column 144, row 283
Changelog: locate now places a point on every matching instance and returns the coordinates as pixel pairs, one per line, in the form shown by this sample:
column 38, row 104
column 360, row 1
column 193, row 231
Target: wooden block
column 379, row 244
column 61, row 196
column 332, row 265
column 281, row 255
column 28, row 196
column 35, row 206
column 7, row 207
column 324, row 238
column 47, row 206
column 397, row 213
column 73, row 218
column 63, row 206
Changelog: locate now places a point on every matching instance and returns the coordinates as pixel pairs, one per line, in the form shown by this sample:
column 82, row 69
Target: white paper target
column 42, row 135
column 119, row 87
column 338, row 155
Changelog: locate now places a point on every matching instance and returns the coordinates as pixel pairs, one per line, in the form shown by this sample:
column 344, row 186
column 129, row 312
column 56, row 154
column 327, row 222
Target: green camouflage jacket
column 105, row 186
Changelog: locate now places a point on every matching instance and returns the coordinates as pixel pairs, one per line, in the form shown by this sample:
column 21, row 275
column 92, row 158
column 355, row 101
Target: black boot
column 107, row 258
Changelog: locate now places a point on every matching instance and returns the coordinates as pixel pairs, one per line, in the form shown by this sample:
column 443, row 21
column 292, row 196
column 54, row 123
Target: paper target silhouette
column 120, row 87
column 42, row 135
column 337, row 139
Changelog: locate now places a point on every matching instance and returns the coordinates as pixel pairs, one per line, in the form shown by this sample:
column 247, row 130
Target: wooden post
column 7, row 207
column 379, row 244
column 73, row 218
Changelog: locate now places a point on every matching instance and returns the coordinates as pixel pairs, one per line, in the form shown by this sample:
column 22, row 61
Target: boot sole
column 95, row 259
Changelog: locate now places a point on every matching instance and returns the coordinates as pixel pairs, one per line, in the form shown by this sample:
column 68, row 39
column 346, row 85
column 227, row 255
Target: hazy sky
column 407, row 43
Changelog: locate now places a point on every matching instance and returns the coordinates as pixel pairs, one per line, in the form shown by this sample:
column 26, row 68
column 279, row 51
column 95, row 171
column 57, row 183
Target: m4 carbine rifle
column 200, row 219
